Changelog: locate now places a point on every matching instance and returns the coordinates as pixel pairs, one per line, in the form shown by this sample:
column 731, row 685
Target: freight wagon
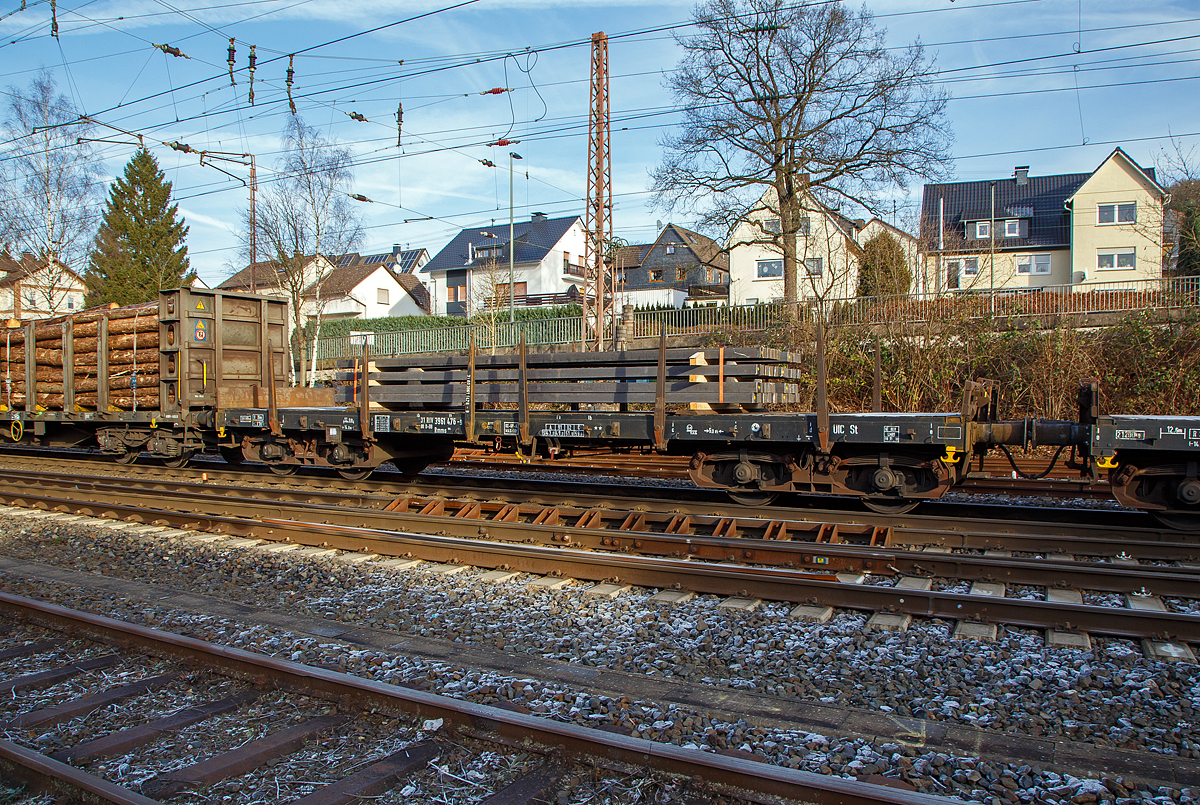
column 199, row 370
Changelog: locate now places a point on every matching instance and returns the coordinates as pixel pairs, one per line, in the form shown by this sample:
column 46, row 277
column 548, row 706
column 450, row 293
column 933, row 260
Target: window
column 487, row 252
column 1116, row 259
column 656, row 275
column 1033, row 264
column 620, row 276
column 770, row 268
column 803, row 228
column 681, row 274
column 1012, row 229
column 670, row 248
column 383, row 296
column 751, row 301
column 456, row 293
column 1116, row 213
column 983, row 229
column 953, row 267
column 814, row 266
column 772, row 226
column 714, row 276
column 971, row 266
column 70, row 303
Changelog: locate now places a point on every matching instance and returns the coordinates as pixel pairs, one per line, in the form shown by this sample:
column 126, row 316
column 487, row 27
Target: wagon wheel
column 284, row 470
column 355, row 474
column 751, row 497
column 179, row 462
column 890, row 506
column 128, row 457
column 1178, row 520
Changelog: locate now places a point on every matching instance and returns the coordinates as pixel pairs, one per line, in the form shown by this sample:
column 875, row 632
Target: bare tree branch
column 803, row 101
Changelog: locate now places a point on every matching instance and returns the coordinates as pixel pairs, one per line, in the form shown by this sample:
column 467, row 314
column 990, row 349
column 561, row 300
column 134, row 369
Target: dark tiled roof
column 415, row 288
column 534, row 240
column 1041, row 200
column 707, row 250
column 264, row 272
column 344, row 279
column 632, row 256
column 18, row 270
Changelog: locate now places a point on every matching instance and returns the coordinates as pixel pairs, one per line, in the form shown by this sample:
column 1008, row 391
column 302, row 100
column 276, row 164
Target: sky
column 1053, row 84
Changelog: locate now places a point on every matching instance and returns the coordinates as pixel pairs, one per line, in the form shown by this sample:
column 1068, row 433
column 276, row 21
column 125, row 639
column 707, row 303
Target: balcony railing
column 573, row 270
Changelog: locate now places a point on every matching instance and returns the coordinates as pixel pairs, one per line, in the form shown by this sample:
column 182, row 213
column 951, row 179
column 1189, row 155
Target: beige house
column 1028, row 232
column 32, row 289
column 828, row 253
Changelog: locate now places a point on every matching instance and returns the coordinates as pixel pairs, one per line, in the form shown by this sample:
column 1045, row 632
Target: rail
column 1168, row 293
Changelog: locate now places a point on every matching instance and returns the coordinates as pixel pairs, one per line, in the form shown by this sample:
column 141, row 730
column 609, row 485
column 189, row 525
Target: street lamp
column 512, row 316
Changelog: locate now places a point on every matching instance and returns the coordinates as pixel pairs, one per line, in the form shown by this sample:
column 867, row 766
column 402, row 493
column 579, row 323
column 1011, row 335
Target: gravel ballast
column 1109, row 696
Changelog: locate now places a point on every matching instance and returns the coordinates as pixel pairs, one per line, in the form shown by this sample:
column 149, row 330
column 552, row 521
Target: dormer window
column 983, row 229
column 670, row 248
column 1012, row 229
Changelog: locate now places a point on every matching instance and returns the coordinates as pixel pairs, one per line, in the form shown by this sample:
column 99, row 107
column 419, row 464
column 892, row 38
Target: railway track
column 816, row 565
column 228, row 724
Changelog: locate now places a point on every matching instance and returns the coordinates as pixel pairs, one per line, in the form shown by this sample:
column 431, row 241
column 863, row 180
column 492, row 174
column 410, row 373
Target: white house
column 349, row 285
column 367, row 291
column 472, row 270
column 828, row 253
column 32, row 289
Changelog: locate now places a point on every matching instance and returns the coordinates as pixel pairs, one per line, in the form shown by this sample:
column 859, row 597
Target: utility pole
column 599, row 197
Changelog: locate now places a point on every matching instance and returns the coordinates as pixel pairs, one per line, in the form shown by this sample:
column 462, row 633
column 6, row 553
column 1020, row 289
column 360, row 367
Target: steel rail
column 954, row 532
column 788, row 543
column 984, row 519
column 777, row 584
column 730, row 774
column 787, row 549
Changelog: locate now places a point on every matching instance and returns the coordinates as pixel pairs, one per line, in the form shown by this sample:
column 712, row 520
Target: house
column 472, row 271
column 32, row 289
column 679, row 266
column 828, row 253
column 347, row 285
column 1034, row 231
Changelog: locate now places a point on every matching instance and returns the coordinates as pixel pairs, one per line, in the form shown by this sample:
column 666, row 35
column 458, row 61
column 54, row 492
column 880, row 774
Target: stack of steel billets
column 735, row 377
column 131, row 359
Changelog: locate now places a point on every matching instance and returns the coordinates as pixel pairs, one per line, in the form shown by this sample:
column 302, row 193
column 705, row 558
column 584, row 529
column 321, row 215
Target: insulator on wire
column 487, row 163
column 54, row 19
column 184, row 147
column 361, row 118
column 496, row 91
column 361, row 197
column 291, row 75
column 399, row 122
column 231, row 60
column 253, row 63
column 173, row 51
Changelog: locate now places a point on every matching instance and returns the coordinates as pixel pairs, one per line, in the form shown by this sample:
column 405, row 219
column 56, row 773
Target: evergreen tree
column 884, row 269
column 139, row 249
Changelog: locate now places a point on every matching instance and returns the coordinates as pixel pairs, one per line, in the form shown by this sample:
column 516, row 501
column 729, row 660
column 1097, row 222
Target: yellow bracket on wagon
column 1107, row 462
column 951, row 456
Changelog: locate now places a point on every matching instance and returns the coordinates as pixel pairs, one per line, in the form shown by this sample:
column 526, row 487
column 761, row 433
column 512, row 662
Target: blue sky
column 1012, row 68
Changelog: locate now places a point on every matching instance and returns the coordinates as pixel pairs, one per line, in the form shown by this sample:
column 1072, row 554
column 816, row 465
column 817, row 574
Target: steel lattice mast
column 596, row 291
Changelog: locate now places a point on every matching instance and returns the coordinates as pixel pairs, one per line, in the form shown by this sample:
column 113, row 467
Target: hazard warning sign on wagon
column 201, row 330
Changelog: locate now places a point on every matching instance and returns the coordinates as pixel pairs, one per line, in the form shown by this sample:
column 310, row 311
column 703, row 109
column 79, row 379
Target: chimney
column 1021, row 172
column 538, row 217
column 396, row 250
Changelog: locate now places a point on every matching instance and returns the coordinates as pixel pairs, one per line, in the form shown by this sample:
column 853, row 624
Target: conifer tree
column 139, row 249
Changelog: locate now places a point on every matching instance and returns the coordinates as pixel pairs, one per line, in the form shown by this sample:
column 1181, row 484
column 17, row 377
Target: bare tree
column 304, row 220
column 50, row 184
column 1179, row 172
column 804, row 101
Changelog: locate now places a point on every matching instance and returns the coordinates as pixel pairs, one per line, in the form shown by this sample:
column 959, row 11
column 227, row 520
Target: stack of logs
column 132, row 359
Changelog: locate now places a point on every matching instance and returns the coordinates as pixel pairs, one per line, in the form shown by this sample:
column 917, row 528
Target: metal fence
column 1050, row 300
column 502, row 334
